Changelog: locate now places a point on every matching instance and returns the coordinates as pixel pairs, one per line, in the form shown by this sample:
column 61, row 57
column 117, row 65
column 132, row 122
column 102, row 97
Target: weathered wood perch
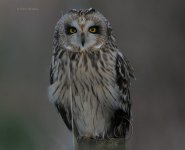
column 90, row 144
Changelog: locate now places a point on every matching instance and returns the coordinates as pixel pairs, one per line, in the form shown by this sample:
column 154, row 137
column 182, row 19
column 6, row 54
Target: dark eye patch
column 96, row 28
column 70, row 29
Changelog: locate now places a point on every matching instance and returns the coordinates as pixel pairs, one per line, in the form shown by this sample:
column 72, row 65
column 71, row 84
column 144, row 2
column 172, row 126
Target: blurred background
column 150, row 32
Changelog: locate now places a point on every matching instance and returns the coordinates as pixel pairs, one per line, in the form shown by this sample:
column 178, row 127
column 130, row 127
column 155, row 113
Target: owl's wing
column 124, row 74
column 56, row 72
column 63, row 112
column 53, row 94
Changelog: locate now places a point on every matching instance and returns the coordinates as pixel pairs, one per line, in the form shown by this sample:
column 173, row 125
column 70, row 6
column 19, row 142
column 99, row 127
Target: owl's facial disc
column 83, row 34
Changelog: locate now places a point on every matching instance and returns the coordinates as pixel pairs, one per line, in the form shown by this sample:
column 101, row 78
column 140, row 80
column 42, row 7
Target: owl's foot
column 89, row 137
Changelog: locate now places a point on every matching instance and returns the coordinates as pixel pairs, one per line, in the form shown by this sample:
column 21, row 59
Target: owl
column 90, row 77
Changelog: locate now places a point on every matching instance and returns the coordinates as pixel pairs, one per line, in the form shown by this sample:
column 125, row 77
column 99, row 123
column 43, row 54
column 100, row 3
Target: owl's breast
column 94, row 75
column 93, row 68
column 94, row 91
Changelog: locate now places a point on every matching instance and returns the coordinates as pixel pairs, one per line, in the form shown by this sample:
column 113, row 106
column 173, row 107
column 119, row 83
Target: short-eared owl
column 89, row 76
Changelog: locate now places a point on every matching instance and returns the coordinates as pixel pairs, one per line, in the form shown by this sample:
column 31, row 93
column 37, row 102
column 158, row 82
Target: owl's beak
column 83, row 39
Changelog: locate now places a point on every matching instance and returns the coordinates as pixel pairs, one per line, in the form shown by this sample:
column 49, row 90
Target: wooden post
column 90, row 144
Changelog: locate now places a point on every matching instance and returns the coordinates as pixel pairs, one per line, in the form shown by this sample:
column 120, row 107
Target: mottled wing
column 122, row 116
column 55, row 75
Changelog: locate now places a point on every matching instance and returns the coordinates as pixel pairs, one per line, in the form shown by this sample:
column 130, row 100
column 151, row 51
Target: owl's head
column 82, row 30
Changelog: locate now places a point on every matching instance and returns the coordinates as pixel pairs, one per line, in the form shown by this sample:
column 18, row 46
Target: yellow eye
column 93, row 29
column 72, row 30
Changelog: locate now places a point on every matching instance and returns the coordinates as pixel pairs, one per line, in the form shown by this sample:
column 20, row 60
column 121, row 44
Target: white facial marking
column 82, row 20
column 98, row 46
column 68, row 47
